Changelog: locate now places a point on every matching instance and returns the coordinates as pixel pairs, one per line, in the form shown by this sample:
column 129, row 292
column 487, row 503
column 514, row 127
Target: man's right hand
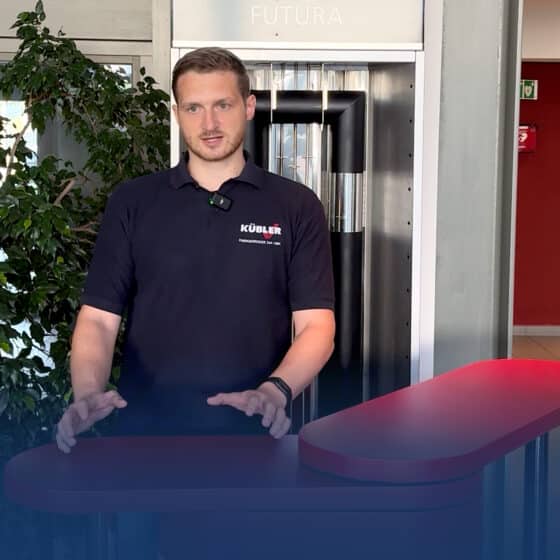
column 83, row 414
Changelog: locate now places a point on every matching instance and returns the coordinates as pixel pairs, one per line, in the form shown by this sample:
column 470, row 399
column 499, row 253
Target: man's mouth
column 212, row 140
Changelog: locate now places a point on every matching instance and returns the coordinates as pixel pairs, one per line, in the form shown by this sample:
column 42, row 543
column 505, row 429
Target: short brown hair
column 211, row 59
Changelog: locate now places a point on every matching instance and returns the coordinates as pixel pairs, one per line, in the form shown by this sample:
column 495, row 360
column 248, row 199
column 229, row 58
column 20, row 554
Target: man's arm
column 93, row 344
column 312, row 346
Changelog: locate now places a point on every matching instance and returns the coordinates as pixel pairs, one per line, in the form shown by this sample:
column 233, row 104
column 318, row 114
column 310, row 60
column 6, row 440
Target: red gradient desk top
column 420, row 447
column 443, row 428
column 195, row 473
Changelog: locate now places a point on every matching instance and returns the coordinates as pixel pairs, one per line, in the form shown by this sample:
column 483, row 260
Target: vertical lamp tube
column 340, row 383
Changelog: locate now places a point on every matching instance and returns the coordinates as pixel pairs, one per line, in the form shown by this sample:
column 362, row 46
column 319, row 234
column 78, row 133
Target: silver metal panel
column 294, row 53
column 388, row 242
column 423, row 246
column 511, row 75
column 347, row 22
column 428, row 102
column 476, row 190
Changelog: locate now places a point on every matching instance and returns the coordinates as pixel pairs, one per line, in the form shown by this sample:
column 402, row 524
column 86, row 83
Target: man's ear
column 174, row 107
column 250, row 106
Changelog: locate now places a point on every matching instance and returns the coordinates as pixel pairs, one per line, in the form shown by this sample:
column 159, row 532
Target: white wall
column 119, row 31
column 89, row 19
column 541, row 30
column 121, row 28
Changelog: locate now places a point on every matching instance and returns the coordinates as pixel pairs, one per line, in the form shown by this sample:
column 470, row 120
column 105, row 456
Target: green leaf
column 29, row 402
column 4, row 399
column 40, row 10
column 34, row 394
column 68, row 395
column 27, row 223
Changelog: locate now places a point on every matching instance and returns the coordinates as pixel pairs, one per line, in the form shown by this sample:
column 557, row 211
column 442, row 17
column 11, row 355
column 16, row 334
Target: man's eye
column 191, row 109
column 224, row 105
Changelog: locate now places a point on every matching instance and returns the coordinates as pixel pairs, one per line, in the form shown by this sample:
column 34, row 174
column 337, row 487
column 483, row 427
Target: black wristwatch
column 283, row 386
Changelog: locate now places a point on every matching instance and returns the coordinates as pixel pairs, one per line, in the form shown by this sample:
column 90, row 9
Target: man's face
column 212, row 113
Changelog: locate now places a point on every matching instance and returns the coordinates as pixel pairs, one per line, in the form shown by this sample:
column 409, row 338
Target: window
column 123, row 70
column 13, row 110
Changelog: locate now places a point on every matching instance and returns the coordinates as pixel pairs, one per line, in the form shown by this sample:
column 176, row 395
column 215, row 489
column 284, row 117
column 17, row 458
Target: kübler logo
column 267, row 231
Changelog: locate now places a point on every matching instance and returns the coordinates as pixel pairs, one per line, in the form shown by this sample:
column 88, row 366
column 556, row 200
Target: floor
column 536, row 347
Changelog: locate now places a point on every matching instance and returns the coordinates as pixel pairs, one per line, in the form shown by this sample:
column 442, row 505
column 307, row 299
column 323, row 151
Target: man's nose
column 209, row 121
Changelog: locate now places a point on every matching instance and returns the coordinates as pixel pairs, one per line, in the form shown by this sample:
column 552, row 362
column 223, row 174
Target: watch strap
column 282, row 386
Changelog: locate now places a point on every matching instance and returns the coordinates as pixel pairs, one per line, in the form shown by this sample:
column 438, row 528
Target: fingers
column 61, row 443
column 116, row 399
column 277, row 423
column 67, row 429
column 237, row 400
column 101, row 413
column 255, row 403
column 269, row 414
column 108, row 398
column 82, row 408
column 83, row 414
column 281, row 428
column 275, row 417
column 216, row 400
column 248, row 402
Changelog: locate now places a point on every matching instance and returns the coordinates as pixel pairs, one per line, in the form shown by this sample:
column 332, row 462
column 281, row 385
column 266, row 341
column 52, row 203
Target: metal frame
column 421, row 354
column 347, row 51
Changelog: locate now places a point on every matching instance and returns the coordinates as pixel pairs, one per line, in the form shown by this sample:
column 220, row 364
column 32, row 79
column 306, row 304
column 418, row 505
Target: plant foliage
column 49, row 210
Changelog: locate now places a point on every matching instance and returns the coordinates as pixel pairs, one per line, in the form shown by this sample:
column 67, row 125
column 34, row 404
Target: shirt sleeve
column 310, row 275
column 111, row 272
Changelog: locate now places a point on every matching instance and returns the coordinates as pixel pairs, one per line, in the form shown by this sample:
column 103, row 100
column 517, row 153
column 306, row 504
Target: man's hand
column 83, row 414
column 267, row 400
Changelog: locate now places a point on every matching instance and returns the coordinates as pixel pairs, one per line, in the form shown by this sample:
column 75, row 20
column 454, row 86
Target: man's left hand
column 267, row 401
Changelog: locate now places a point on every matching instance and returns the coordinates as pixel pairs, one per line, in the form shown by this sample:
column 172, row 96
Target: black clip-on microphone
column 220, row 201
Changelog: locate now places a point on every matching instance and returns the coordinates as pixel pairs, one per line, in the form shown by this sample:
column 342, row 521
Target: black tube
column 340, row 382
column 345, row 114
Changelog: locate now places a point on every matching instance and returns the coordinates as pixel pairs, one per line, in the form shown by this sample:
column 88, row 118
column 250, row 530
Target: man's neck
column 212, row 174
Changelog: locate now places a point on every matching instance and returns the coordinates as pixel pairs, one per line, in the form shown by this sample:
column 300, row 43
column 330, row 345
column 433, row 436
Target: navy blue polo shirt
column 208, row 293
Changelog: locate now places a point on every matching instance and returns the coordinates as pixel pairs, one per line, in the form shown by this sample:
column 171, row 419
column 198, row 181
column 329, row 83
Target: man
column 211, row 261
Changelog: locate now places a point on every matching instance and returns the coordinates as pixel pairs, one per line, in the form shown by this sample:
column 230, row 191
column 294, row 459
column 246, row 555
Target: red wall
column 537, row 253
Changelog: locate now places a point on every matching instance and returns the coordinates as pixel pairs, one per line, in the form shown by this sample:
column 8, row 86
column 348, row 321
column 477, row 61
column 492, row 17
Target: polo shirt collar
column 251, row 173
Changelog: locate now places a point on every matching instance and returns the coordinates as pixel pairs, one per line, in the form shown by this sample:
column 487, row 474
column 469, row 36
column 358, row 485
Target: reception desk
column 398, row 475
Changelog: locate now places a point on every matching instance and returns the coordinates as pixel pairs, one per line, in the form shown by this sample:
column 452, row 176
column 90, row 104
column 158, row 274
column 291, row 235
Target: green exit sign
column 529, row 89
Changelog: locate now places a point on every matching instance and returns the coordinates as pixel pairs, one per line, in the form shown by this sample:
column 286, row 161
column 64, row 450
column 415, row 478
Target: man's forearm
column 91, row 356
column 309, row 352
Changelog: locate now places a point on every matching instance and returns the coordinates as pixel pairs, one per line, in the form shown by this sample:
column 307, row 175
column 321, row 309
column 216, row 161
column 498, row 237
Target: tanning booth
column 339, row 109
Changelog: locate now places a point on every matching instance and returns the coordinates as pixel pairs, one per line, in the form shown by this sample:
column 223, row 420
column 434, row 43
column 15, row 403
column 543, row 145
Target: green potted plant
column 50, row 210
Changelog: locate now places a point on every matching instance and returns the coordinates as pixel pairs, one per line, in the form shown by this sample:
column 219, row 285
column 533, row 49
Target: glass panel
column 123, row 70
column 302, row 154
column 294, row 149
column 14, row 111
